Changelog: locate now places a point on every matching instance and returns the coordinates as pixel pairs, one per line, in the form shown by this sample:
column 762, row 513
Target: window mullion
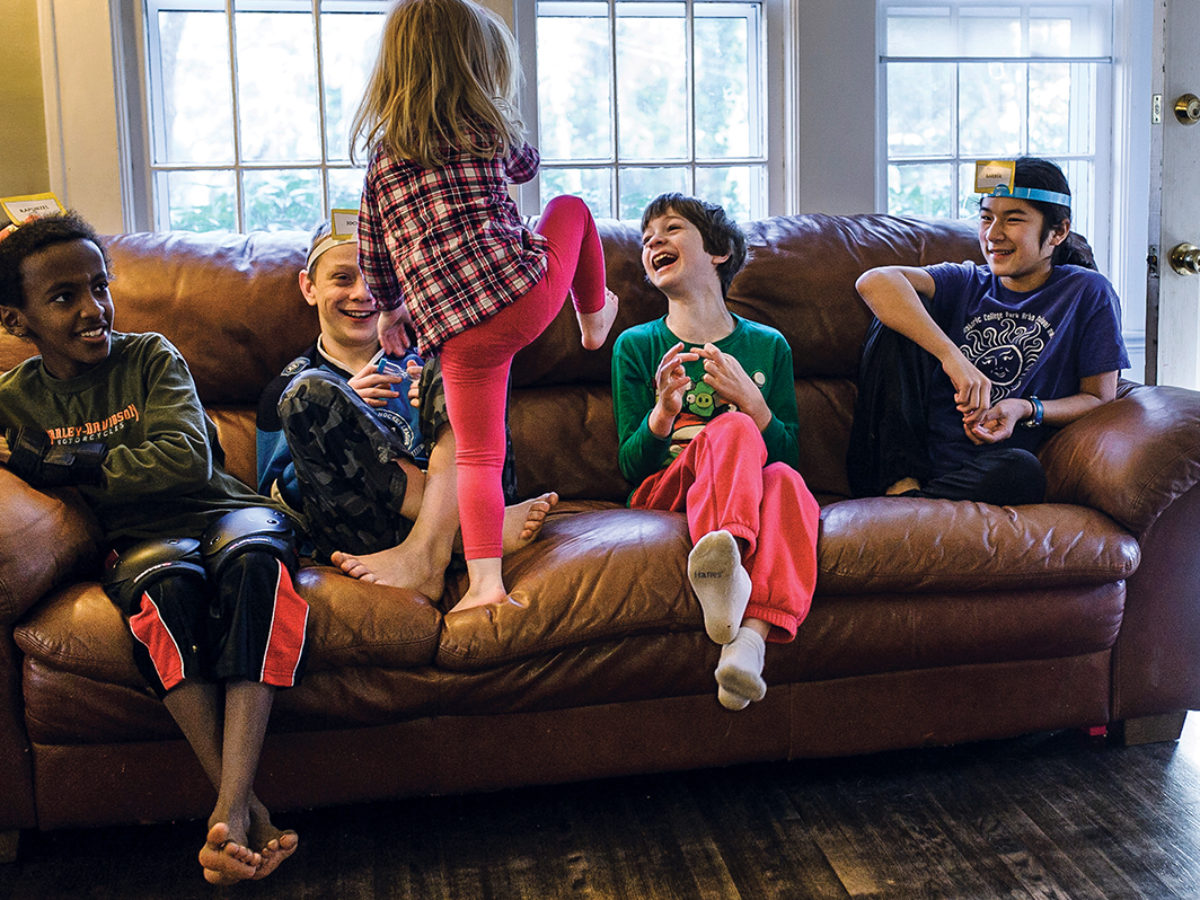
column 614, row 199
column 317, row 37
column 239, row 188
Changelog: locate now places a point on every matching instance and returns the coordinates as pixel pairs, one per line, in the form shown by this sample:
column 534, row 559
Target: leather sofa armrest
column 45, row 539
column 1130, row 458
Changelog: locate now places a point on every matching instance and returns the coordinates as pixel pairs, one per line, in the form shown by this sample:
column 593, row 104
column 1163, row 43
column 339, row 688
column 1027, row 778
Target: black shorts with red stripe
column 248, row 625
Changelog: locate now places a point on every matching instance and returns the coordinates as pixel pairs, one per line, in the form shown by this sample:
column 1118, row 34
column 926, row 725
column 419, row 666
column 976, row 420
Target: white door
column 1175, row 169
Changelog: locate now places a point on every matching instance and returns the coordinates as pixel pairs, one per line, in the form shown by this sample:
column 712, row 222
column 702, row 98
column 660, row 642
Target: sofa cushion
column 907, row 545
column 591, row 576
column 351, row 623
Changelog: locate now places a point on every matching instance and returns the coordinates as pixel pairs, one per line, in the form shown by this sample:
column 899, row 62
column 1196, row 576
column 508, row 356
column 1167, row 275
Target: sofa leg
column 1153, row 729
column 8, row 845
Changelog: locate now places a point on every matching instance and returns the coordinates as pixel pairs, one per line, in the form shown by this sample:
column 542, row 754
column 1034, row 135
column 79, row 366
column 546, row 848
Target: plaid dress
column 447, row 242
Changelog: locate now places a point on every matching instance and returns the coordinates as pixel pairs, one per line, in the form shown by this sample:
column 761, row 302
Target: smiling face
column 674, row 257
column 68, row 312
column 345, row 307
column 1010, row 235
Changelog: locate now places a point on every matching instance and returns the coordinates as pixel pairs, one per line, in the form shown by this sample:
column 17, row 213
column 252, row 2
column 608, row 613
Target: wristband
column 1035, row 420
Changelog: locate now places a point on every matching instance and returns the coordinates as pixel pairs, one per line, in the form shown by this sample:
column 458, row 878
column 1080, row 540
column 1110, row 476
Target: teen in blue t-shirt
column 960, row 388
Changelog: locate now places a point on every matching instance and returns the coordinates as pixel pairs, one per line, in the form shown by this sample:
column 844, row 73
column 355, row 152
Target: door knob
column 1187, row 109
column 1185, row 259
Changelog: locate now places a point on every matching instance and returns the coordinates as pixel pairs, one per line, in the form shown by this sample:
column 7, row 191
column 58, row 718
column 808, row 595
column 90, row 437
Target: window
column 250, row 103
column 636, row 97
column 970, row 79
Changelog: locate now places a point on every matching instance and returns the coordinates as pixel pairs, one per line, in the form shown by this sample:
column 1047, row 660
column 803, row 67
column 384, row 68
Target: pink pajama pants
column 720, row 481
column 476, row 362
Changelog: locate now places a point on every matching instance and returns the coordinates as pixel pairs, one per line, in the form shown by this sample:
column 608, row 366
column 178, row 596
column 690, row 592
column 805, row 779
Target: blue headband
column 1024, row 193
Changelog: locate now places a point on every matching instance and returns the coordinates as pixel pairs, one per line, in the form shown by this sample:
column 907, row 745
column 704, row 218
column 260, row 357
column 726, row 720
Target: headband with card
column 343, row 229
column 995, row 177
column 22, row 209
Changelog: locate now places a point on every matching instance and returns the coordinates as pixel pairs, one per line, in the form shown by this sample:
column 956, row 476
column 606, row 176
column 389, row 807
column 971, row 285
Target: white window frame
column 155, row 212
column 1098, row 229
column 776, row 119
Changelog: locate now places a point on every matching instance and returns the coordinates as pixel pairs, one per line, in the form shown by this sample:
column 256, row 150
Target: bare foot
column 523, row 521
column 594, row 327
column 226, row 861
column 417, row 569
column 903, row 486
column 396, row 566
column 275, row 851
column 471, row 599
column 274, row 845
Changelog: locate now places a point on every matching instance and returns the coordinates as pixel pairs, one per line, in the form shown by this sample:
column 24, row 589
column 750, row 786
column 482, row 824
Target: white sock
column 721, row 584
column 739, row 673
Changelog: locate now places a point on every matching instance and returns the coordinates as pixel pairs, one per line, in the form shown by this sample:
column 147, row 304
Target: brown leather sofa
column 934, row 622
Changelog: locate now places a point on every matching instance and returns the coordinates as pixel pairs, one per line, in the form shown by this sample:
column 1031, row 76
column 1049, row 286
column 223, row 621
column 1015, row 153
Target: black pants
column 345, row 461
column 889, row 438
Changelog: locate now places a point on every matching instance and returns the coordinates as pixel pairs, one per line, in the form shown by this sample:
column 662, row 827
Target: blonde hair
column 447, row 73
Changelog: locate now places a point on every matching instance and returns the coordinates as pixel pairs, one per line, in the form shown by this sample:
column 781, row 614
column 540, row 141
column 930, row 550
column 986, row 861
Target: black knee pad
column 254, row 528
column 147, row 563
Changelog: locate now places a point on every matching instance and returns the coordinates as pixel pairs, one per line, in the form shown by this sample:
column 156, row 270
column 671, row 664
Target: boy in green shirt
column 706, row 416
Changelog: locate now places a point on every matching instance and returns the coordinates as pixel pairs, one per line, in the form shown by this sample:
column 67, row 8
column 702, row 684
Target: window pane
column 990, row 31
column 920, row 109
column 277, row 87
column 282, row 198
column 345, row 188
column 593, row 185
column 734, row 187
column 652, row 98
column 197, row 201
column 991, row 105
column 920, row 190
column 920, row 32
column 1050, row 108
column 723, row 124
column 575, row 84
column 640, row 186
column 193, row 86
column 1077, row 29
column 348, row 46
column 968, row 200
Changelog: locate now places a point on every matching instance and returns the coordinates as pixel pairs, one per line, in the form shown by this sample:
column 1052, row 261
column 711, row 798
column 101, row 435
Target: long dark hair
column 1034, row 172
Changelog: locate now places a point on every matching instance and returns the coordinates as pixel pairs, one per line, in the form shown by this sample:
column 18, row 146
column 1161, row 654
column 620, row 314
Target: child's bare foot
column 472, row 598
column 226, row 861
column 396, row 566
column 275, row 851
column 274, row 845
column 594, row 327
column 523, row 521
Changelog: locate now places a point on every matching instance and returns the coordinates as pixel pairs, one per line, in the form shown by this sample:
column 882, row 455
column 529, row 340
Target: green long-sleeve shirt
column 163, row 475
column 764, row 354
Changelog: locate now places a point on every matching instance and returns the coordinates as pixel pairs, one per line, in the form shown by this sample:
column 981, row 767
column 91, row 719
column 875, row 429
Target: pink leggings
column 720, row 481
column 475, row 365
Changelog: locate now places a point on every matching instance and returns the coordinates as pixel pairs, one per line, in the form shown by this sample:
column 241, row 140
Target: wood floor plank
column 1047, row 816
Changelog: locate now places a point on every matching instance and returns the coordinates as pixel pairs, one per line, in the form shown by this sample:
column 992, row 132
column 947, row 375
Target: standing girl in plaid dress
column 441, row 241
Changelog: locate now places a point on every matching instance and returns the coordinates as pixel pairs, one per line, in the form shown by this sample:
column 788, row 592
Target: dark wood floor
column 1048, row 816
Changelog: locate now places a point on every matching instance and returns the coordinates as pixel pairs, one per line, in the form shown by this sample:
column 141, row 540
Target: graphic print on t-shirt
column 1005, row 346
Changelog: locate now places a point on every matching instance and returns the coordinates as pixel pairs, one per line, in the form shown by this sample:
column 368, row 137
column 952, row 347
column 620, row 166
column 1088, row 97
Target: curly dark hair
column 33, row 237
column 720, row 233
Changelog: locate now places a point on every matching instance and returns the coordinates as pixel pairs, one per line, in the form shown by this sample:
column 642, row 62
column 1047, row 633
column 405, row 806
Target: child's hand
column 375, row 387
column 393, row 330
column 670, row 382
column 414, row 382
column 5, row 453
column 725, row 375
column 997, row 423
column 972, row 389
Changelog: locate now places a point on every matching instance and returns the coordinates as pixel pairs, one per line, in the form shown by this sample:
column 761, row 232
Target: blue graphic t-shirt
column 1040, row 343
